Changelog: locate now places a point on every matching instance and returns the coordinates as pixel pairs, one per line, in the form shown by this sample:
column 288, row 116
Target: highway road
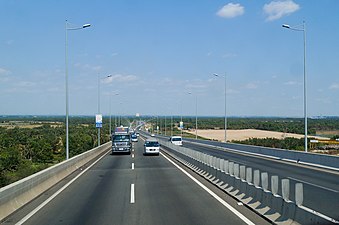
column 321, row 186
column 136, row 189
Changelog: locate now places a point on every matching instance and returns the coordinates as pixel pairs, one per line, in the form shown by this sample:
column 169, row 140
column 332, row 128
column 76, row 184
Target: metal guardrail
column 17, row 194
column 251, row 187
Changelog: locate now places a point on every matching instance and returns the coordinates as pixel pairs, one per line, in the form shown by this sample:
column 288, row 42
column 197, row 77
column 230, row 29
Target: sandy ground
column 245, row 134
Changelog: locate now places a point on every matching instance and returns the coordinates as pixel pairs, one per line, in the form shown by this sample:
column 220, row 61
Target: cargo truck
column 121, row 140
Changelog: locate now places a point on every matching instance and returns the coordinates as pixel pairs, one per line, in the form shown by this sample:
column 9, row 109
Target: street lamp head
column 86, row 25
column 286, row 26
column 215, row 74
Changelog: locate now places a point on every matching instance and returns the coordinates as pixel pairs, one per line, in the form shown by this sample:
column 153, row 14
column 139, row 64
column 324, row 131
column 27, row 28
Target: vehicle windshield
column 121, row 138
column 176, row 139
column 152, row 144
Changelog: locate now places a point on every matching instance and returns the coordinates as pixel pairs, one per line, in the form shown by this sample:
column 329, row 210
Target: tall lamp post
column 302, row 27
column 196, row 115
column 67, row 28
column 110, row 114
column 99, row 79
column 217, row 75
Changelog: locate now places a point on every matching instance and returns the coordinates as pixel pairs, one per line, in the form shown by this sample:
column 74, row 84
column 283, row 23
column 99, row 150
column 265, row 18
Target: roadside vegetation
column 24, row 151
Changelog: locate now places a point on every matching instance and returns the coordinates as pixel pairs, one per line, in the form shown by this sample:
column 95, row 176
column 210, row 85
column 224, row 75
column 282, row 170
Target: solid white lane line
column 233, row 210
column 132, row 166
column 132, row 194
column 315, row 185
column 23, row 220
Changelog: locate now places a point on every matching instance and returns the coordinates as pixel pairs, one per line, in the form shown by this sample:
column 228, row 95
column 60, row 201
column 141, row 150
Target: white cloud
column 229, row 55
column 251, row 86
column 120, row 78
column 291, row 83
column 87, row 67
column 4, row 72
column 334, row 86
column 231, row 10
column 277, row 9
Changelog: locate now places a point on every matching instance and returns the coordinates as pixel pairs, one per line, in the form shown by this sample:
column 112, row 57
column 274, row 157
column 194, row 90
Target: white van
column 151, row 146
column 176, row 140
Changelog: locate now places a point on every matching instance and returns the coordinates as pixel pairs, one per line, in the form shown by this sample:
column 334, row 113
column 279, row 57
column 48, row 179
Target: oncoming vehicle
column 151, row 146
column 176, row 140
column 134, row 138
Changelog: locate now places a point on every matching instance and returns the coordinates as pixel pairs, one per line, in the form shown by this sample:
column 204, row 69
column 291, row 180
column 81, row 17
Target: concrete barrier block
column 236, row 170
column 222, row 161
column 243, row 173
column 226, row 166
column 249, row 175
column 264, row 181
column 231, row 168
column 256, row 178
column 274, row 185
column 285, row 189
column 299, row 194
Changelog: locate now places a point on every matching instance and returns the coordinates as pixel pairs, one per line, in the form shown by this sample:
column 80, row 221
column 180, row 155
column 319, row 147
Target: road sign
column 98, row 120
column 181, row 125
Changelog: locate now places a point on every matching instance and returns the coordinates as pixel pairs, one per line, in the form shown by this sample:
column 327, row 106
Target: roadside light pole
column 225, row 116
column 196, row 115
column 110, row 115
column 303, row 29
column 67, row 28
column 99, row 102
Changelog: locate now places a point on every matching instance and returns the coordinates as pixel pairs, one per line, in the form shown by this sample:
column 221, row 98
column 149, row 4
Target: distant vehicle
column 152, row 135
column 176, row 140
column 138, row 134
column 121, row 140
column 134, row 137
column 151, row 146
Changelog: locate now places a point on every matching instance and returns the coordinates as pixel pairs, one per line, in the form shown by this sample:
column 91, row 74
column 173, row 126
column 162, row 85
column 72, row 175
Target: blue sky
column 158, row 51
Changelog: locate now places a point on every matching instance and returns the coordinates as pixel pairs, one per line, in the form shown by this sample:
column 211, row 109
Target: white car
column 176, row 140
column 151, row 146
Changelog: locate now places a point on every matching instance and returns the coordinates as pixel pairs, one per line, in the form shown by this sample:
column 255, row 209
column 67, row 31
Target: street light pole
column 99, row 103
column 196, row 115
column 225, row 116
column 67, row 28
column 303, row 29
column 110, row 115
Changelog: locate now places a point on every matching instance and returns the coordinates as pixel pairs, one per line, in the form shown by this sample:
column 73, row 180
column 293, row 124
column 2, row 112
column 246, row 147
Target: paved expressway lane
column 162, row 194
column 321, row 187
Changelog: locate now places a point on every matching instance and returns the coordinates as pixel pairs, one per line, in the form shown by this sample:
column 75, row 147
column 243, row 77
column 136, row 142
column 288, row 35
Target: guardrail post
column 299, row 194
column 236, row 170
column 275, row 184
column 256, row 180
column 226, row 166
column 249, row 175
column 243, row 173
column 264, row 181
column 231, row 168
column 285, row 188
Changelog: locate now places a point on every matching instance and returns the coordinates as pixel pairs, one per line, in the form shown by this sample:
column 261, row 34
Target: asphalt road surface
column 321, row 186
column 137, row 189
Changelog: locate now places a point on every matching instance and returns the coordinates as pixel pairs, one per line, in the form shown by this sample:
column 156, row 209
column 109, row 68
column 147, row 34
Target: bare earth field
column 246, row 134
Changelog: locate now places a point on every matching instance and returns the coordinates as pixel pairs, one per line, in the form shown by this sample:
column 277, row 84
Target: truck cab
column 121, row 141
